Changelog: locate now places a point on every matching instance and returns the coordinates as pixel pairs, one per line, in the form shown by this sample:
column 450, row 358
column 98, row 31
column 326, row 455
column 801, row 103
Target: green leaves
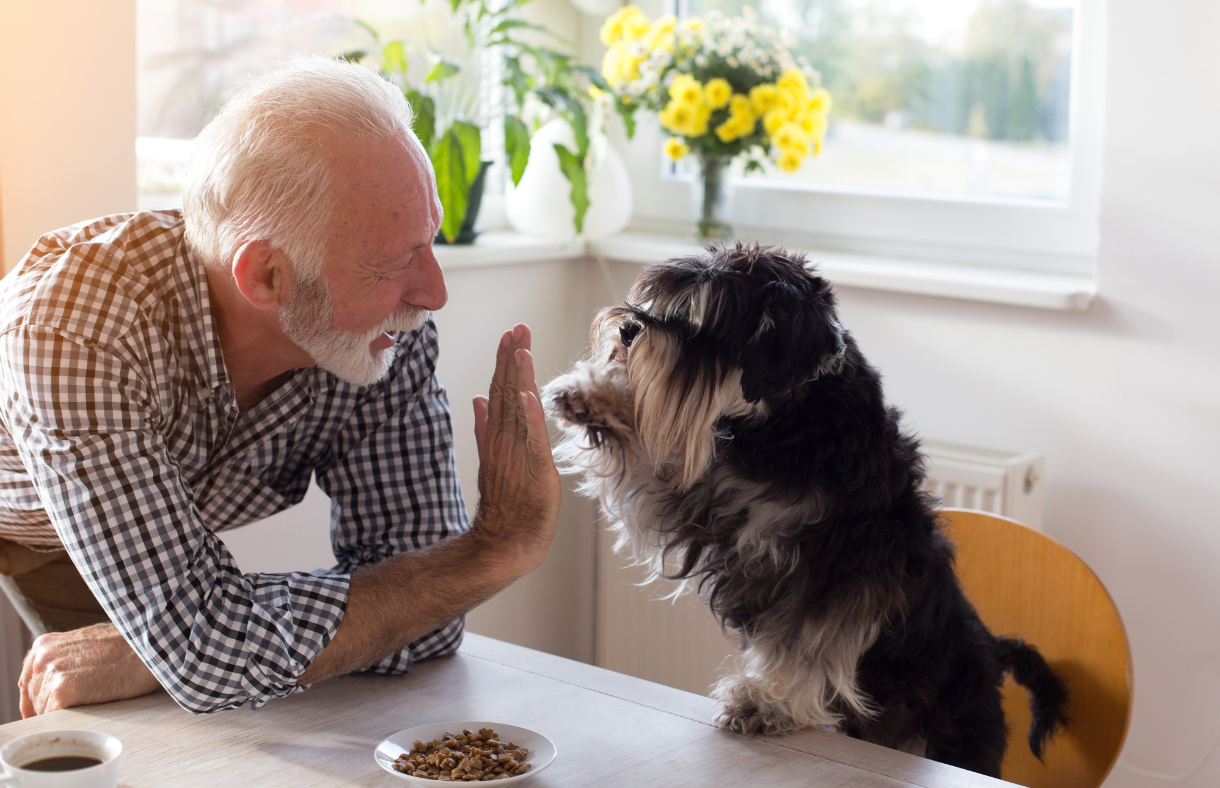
column 472, row 149
column 627, row 113
column 424, row 125
column 573, row 168
column 516, row 146
column 394, row 58
column 572, row 111
column 595, row 77
column 447, row 163
column 516, row 78
column 511, row 24
column 456, row 162
column 442, row 70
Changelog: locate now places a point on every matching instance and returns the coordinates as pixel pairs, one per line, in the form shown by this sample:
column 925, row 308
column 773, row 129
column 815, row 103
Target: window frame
column 1003, row 233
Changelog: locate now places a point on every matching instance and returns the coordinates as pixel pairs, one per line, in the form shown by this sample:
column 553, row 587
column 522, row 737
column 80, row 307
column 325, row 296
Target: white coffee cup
column 19, row 755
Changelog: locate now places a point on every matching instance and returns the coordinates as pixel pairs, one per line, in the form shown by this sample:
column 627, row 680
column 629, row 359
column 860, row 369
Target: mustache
column 404, row 320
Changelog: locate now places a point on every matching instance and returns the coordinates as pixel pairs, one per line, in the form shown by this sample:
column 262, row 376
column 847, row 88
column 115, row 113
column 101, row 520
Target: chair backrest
column 1026, row 584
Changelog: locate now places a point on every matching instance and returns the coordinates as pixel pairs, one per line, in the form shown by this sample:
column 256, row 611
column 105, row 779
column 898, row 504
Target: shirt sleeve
column 392, row 479
column 90, row 434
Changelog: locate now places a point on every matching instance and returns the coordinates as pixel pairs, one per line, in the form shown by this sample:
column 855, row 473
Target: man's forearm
column 404, row 598
column 400, row 600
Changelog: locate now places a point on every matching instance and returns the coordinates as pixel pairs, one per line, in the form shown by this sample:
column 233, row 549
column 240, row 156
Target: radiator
column 679, row 643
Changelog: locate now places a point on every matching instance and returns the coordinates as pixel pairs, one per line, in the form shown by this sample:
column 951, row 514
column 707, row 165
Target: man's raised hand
column 519, row 487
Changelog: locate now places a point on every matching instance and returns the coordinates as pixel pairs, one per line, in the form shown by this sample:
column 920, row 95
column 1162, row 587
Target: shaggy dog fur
column 738, row 441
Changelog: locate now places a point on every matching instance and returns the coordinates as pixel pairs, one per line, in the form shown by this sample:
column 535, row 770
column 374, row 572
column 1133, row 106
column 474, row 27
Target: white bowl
column 541, row 749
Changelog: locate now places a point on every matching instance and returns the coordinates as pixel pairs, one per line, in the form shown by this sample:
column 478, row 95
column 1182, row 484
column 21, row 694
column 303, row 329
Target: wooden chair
column 1027, row 585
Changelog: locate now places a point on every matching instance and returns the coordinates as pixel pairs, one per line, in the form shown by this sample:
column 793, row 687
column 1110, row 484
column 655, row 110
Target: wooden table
column 610, row 730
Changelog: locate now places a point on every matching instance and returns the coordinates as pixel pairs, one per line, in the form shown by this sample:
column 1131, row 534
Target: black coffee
column 65, row 763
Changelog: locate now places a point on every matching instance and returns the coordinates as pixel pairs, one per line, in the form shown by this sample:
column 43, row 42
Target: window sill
column 507, row 248
column 1072, row 293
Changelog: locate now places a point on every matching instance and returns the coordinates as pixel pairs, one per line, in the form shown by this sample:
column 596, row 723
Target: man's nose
column 428, row 288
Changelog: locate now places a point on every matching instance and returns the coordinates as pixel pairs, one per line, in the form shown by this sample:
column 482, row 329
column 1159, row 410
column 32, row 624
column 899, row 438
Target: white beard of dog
column 773, row 684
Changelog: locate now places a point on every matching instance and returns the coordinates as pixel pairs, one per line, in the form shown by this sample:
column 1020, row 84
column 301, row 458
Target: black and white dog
column 730, row 428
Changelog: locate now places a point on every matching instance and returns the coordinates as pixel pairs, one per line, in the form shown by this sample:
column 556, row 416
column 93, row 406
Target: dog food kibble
column 466, row 757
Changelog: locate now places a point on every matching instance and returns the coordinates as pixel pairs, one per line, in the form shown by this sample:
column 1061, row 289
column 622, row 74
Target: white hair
column 259, row 170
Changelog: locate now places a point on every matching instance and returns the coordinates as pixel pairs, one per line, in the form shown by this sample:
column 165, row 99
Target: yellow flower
column 790, row 102
column 789, row 162
column 793, row 80
column 821, row 101
column 686, row 89
column 680, row 118
column 813, row 124
column 694, row 25
column 773, row 120
column 798, row 147
column 788, row 135
column 718, row 91
column 619, row 66
column 676, row 148
column 764, row 98
column 741, row 106
column 698, row 123
column 624, row 23
column 636, row 27
column 664, row 41
column 664, row 24
column 734, row 128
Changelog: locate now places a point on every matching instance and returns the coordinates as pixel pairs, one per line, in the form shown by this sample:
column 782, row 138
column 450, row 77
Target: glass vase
column 711, row 200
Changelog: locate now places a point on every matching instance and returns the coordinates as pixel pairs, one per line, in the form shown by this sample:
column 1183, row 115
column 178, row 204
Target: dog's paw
column 574, row 407
column 748, row 719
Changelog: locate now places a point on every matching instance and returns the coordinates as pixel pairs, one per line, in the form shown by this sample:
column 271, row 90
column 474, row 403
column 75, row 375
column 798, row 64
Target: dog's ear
column 798, row 338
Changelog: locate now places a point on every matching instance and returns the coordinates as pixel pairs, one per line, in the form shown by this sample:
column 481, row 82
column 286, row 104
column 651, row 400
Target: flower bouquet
column 723, row 87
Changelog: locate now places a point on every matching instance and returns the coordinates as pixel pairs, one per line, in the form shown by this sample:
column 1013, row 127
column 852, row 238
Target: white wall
column 67, row 116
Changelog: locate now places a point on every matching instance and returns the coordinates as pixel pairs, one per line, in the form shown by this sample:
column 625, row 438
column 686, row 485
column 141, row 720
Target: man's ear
column 262, row 274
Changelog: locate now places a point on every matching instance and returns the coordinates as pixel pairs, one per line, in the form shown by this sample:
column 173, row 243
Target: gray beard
column 345, row 354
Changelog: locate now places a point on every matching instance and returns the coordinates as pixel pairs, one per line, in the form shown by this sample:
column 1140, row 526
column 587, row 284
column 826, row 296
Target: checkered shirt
column 121, row 440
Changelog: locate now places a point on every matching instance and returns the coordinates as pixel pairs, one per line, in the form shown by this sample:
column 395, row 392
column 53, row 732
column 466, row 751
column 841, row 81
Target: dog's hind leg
column 975, row 738
column 775, row 686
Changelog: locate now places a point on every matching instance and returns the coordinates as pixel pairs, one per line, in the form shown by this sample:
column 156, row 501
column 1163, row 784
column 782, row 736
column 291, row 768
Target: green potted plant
column 442, row 83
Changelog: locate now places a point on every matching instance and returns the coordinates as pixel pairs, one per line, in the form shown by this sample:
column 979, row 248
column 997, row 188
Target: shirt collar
column 203, row 337
column 199, row 328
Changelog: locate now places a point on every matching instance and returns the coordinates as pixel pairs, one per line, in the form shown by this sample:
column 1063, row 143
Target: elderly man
column 168, row 376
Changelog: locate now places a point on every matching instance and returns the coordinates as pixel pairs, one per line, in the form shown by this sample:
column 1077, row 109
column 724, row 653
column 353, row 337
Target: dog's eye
column 627, row 332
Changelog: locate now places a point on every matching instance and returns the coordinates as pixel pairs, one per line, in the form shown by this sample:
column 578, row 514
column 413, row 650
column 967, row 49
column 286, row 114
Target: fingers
column 504, row 405
column 27, row 704
column 29, row 681
column 480, row 424
column 538, row 437
column 533, row 426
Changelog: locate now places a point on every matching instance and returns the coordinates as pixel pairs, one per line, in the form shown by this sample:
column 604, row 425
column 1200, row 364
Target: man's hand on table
column 404, row 598
column 90, row 665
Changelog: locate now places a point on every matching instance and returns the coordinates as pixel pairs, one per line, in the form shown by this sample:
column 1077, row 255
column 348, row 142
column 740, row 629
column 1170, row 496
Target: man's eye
column 627, row 332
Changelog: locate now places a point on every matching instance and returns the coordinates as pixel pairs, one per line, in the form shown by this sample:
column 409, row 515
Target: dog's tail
column 1048, row 693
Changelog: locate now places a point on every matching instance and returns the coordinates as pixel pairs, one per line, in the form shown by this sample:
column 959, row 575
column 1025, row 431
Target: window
column 963, row 131
column 193, row 55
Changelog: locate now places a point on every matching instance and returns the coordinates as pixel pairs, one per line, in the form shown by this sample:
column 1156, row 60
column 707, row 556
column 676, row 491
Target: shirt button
column 205, row 395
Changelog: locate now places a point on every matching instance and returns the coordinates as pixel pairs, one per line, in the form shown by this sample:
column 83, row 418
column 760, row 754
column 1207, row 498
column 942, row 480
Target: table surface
column 609, row 729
